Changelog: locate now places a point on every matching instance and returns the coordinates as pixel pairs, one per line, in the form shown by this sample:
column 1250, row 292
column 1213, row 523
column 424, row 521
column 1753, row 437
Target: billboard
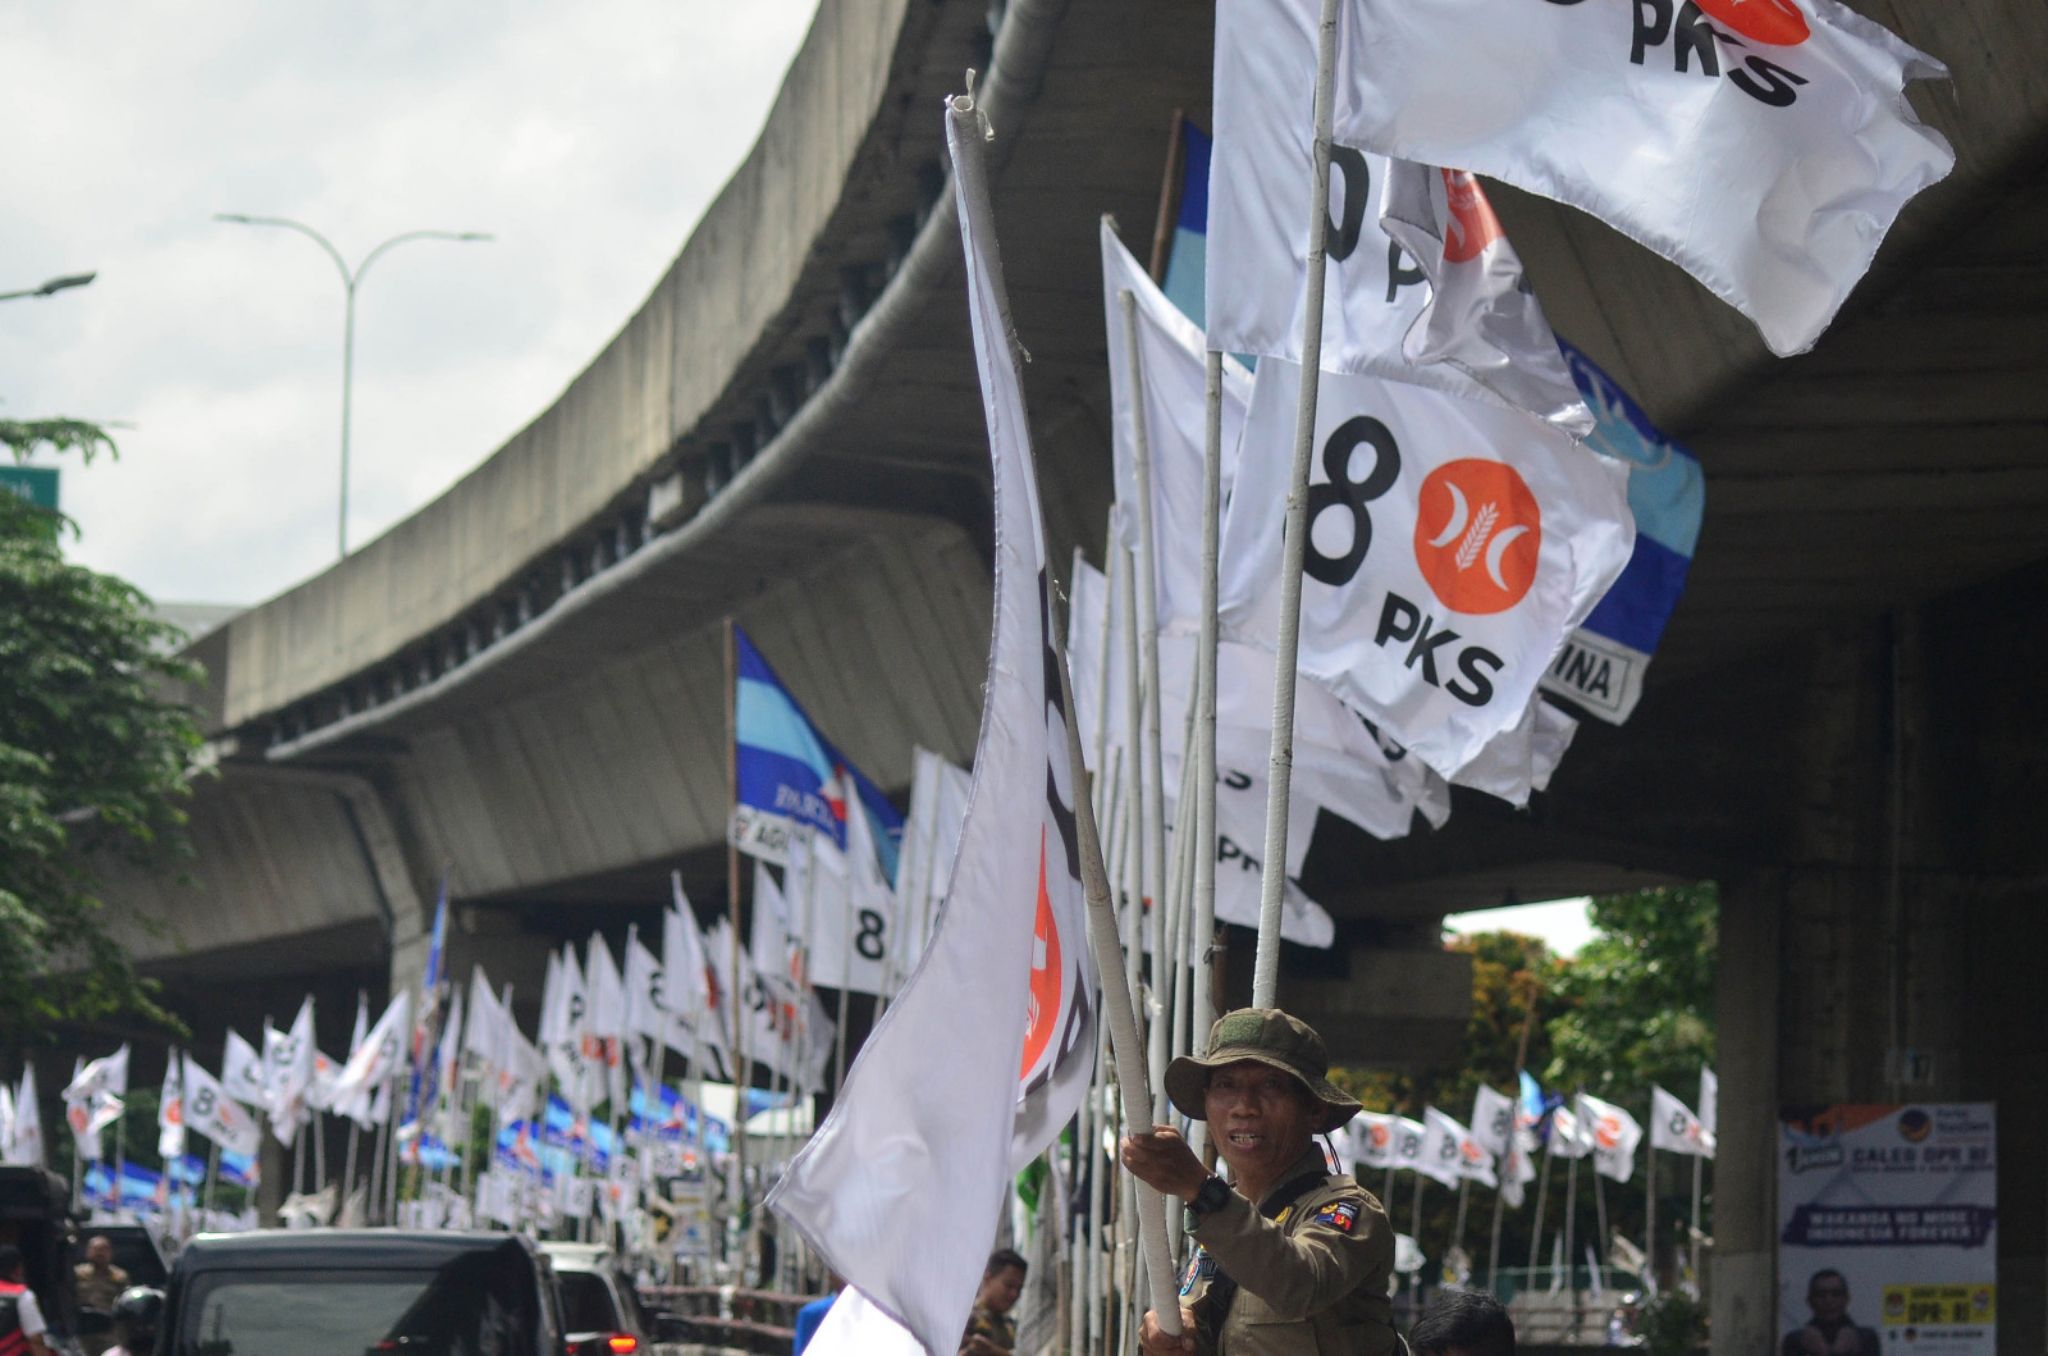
column 1888, row 1230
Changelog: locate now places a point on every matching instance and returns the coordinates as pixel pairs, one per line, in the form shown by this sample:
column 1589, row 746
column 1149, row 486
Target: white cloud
column 587, row 138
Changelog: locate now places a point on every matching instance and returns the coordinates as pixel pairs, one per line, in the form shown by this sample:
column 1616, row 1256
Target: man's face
column 1262, row 1119
column 1829, row 1297
column 99, row 1252
column 1001, row 1291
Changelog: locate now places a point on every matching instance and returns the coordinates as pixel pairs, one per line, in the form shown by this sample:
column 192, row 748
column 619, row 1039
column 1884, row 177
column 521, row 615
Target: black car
column 348, row 1292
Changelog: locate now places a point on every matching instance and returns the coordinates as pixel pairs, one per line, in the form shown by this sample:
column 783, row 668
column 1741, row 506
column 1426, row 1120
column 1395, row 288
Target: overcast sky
column 1564, row 925
column 587, row 137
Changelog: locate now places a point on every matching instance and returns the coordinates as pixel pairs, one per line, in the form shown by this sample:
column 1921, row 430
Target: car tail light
column 622, row 1344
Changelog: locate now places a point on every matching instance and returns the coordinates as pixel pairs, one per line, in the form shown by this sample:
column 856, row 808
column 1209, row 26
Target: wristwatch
column 1213, row 1195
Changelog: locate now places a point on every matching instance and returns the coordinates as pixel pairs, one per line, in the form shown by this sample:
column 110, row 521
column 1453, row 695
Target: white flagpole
column 1600, row 1208
column 1650, row 1215
column 1121, row 1015
column 1145, row 625
column 1493, row 1248
column 1287, row 644
column 1205, row 717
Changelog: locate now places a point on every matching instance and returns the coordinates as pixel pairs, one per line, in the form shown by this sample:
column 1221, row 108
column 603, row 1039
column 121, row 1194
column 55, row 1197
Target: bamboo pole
column 1287, row 645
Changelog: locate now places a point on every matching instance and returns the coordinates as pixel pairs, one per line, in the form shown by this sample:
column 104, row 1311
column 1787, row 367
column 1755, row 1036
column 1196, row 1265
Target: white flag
column 688, row 987
column 1521, row 759
column 605, row 1023
column 1483, row 317
column 1614, row 1134
column 106, row 1075
column 1493, row 1119
column 1174, row 370
column 373, row 1062
column 292, row 1062
column 1517, row 1170
column 769, row 1015
column 1674, row 1128
column 241, row 1072
column 24, row 1141
column 565, row 1008
column 846, row 908
column 1795, row 112
column 1240, row 838
column 1442, row 1154
column 1373, row 1139
column 170, row 1110
column 1568, row 1138
column 1452, row 548
column 931, row 838
column 214, row 1113
column 903, row 1187
column 1710, row 1099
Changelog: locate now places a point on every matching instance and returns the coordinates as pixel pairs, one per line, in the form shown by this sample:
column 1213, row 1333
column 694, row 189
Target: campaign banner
column 1888, row 1230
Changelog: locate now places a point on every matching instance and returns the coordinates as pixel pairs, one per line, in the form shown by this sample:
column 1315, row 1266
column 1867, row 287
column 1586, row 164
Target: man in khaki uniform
column 1290, row 1258
column 100, row 1284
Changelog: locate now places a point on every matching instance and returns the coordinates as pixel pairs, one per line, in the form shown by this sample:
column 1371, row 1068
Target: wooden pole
column 1169, row 194
column 1287, row 644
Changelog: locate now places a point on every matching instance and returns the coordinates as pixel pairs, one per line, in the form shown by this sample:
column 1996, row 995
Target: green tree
column 94, row 760
column 1640, row 997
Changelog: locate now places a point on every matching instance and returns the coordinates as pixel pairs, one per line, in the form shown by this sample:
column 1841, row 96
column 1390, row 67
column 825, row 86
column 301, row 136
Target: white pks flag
column 1673, row 1127
column 213, row 1113
column 1452, row 548
column 1614, row 1135
column 1765, row 146
column 1484, row 336
column 904, row 1185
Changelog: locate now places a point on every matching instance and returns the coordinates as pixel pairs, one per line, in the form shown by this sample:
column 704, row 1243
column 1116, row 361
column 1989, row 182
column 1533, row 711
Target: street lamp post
column 54, row 285
column 350, row 280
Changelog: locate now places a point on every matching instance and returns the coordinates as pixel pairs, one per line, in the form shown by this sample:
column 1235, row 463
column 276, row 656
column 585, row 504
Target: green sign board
column 37, row 484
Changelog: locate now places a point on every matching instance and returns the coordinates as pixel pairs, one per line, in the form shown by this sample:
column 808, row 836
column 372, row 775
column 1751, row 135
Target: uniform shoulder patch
column 1338, row 1215
column 1201, row 1267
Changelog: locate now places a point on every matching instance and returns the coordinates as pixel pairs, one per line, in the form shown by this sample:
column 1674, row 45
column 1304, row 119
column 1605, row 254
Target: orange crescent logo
column 1046, row 974
column 1776, row 22
column 1478, row 535
column 1472, row 226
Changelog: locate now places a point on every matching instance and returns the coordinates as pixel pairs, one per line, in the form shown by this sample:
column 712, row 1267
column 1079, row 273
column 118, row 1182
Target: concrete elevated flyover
column 521, row 687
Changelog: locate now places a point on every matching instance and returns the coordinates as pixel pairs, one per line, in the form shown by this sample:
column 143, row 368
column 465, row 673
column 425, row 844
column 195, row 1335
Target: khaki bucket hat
column 1265, row 1036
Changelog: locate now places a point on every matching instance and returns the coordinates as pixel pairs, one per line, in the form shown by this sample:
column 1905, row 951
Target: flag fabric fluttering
column 375, row 1060
column 1675, row 1129
column 214, row 1113
column 688, row 988
column 902, row 1188
column 21, row 1135
column 1493, row 1120
column 1170, row 383
column 1452, row 548
column 1710, row 1100
column 1475, row 331
column 1801, row 109
column 292, row 1065
column 1482, row 317
column 791, row 779
column 931, row 838
column 170, row 1110
column 242, row 1072
column 1613, row 1134
column 1442, row 1154
column 1600, row 670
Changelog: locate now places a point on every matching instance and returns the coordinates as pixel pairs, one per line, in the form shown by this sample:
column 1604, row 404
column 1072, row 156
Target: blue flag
column 141, row 1186
column 791, row 778
column 1601, row 667
column 238, row 1169
column 1187, row 260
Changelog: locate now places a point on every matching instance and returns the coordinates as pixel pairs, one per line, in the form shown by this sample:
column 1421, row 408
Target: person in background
column 21, row 1317
column 100, row 1283
column 1463, row 1323
column 135, row 1315
column 990, row 1329
column 1830, row 1332
column 813, row 1314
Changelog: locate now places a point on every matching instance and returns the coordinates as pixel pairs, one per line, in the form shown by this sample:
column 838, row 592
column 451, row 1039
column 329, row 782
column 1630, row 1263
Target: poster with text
column 1888, row 1230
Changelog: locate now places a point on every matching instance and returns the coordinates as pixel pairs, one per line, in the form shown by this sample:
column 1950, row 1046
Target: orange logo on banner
column 1473, row 226
column 1478, row 531
column 1046, row 973
column 1777, row 22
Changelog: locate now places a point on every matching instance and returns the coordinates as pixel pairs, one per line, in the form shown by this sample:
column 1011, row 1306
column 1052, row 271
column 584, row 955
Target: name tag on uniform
column 1340, row 1216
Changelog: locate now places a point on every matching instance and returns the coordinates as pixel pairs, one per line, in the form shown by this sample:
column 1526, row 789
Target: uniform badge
column 1340, row 1216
